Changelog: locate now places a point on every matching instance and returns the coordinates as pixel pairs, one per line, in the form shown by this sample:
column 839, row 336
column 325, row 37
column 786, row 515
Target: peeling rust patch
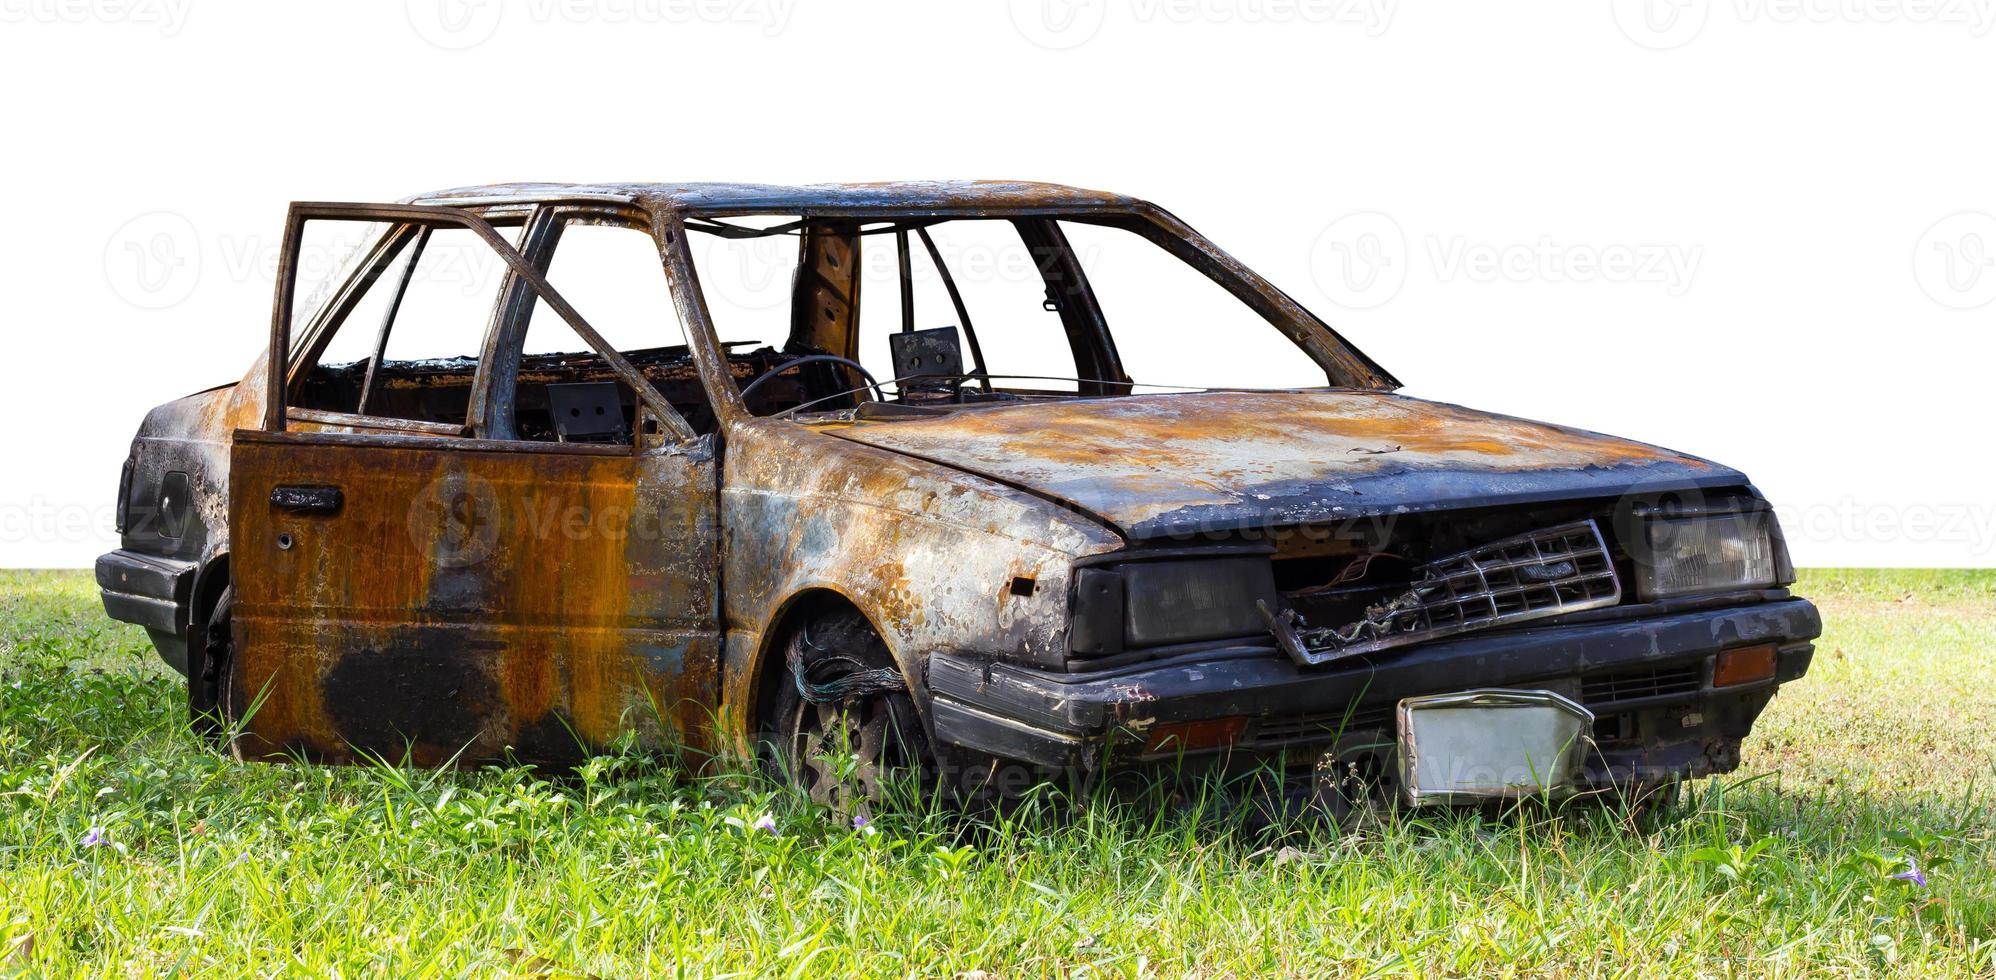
column 464, row 603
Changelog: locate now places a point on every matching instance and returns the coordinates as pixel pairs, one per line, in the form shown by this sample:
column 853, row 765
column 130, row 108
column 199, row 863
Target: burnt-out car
column 537, row 467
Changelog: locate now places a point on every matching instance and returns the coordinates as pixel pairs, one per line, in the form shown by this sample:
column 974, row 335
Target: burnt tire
column 208, row 673
column 845, row 743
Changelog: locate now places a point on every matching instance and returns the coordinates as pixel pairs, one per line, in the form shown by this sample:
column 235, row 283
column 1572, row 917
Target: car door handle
column 308, row 500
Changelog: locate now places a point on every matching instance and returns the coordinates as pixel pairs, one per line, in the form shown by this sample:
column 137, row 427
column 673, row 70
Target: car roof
column 888, row 196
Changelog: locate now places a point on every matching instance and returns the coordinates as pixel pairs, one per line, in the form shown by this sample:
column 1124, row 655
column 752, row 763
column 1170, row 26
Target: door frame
column 523, row 283
column 519, row 270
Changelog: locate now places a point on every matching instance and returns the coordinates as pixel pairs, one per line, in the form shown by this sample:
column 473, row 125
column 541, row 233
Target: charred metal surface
column 927, row 555
column 824, row 304
column 1183, row 464
column 1289, row 707
column 894, row 197
column 190, row 436
column 473, row 599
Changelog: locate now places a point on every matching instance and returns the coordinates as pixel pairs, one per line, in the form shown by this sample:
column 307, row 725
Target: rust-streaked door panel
column 471, row 597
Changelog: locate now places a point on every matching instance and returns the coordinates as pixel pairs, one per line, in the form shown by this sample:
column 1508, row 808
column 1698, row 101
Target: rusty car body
column 749, row 552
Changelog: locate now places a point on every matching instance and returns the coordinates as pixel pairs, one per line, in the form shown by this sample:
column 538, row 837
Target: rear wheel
column 839, row 724
column 207, row 675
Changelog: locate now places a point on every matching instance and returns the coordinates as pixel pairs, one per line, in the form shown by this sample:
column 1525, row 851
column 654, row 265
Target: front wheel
column 839, row 724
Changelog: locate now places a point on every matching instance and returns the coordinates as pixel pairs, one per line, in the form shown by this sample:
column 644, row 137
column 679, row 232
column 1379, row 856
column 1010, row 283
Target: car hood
column 1177, row 464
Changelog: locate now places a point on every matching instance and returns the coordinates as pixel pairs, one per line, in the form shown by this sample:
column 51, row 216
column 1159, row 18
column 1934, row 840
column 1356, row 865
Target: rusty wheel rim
column 841, row 754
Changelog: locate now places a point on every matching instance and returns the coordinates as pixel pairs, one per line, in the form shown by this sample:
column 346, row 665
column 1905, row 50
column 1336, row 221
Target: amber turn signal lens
column 1744, row 665
column 1191, row 736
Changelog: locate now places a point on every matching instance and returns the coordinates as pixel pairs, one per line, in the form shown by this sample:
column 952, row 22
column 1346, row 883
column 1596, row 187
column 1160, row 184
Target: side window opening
column 997, row 278
column 780, row 287
column 329, row 254
column 565, row 392
column 406, row 347
column 945, row 311
column 748, row 267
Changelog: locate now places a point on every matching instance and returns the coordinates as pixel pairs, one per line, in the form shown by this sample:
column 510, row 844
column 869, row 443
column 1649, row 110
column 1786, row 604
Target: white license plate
column 1490, row 744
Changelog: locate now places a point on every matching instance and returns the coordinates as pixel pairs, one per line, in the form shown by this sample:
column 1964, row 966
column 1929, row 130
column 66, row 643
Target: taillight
column 125, row 493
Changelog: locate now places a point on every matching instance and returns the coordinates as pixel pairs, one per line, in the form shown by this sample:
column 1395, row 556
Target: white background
column 1754, row 230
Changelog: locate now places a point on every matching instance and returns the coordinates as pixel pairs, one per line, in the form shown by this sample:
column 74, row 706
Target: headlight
column 1153, row 603
column 1706, row 554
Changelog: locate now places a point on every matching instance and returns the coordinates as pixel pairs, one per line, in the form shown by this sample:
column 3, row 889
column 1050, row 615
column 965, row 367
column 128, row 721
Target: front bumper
column 1647, row 678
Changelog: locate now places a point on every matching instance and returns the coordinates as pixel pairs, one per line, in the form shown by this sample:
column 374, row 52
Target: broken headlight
column 1155, row 603
column 1717, row 553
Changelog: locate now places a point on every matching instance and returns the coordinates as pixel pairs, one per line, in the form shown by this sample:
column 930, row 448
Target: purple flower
column 859, row 821
column 1912, row 874
column 95, row 838
column 765, row 822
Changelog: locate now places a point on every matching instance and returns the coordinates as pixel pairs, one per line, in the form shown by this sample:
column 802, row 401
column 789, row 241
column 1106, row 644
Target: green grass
column 214, row 867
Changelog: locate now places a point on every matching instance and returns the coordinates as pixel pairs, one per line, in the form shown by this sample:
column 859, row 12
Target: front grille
column 1532, row 576
column 1614, row 730
column 1642, row 682
column 1322, row 725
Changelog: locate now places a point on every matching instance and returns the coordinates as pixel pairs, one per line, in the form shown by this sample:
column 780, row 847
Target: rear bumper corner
column 147, row 590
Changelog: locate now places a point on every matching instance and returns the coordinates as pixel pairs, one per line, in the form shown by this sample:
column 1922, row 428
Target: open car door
column 411, row 591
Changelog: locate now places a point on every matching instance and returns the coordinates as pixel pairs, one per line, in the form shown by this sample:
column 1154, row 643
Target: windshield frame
column 1345, row 366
